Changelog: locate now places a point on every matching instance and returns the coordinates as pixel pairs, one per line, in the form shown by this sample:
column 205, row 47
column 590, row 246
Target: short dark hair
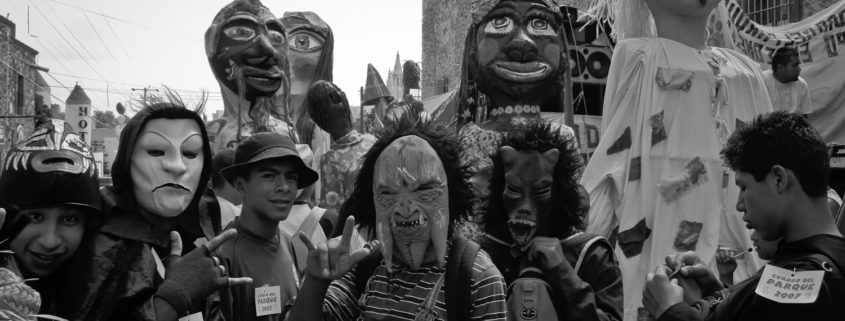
column 782, row 56
column 784, row 139
column 444, row 141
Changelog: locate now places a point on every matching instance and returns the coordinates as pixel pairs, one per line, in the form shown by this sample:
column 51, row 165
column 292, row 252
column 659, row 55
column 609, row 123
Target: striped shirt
column 400, row 295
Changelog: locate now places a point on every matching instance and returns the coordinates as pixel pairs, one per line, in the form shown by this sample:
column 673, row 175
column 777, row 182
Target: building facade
column 18, row 76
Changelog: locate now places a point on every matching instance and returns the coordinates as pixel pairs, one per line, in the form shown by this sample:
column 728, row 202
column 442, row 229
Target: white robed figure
column 656, row 181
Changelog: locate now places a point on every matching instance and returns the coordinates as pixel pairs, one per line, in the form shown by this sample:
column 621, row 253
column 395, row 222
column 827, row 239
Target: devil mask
column 411, row 203
column 527, row 197
column 247, row 47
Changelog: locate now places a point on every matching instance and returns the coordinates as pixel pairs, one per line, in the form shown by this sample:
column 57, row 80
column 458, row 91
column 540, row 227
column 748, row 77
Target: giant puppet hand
column 333, row 259
column 191, row 278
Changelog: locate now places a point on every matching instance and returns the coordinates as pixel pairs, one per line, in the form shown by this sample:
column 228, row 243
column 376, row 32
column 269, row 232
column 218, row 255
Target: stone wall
column 21, row 58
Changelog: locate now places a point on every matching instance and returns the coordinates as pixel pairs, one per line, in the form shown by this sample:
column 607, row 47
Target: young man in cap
column 782, row 169
column 267, row 173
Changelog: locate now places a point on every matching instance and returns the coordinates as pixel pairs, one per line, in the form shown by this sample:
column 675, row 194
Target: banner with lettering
column 820, row 40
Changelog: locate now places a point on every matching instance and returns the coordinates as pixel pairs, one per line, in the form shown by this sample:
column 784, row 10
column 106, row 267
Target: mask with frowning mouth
column 412, row 203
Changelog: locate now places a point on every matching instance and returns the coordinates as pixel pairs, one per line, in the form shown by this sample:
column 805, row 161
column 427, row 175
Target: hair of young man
column 567, row 207
column 444, row 141
column 782, row 56
column 784, row 139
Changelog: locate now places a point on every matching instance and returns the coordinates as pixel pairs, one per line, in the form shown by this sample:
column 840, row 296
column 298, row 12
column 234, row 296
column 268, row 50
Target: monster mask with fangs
column 534, row 191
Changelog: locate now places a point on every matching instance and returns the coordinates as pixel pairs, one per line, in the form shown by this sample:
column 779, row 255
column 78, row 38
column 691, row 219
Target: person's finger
column 215, row 259
column 239, row 281
column 660, row 273
column 695, row 271
column 307, row 241
column 335, row 257
column 221, row 239
column 175, row 244
column 2, row 215
column 672, row 261
column 323, row 252
column 346, row 238
column 222, row 270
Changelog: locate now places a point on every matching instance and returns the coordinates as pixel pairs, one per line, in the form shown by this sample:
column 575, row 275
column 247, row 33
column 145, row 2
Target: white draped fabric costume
column 657, row 182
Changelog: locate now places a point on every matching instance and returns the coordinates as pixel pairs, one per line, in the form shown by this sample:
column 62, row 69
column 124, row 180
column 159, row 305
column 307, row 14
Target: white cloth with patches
column 650, row 76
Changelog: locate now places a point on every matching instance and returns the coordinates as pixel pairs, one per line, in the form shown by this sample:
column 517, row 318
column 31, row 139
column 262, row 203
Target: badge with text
column 788, row 286
column 193, row 317
column 267, row 300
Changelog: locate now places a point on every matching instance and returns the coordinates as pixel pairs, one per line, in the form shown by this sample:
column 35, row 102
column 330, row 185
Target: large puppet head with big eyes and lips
column 518, row 52
column 534, row 186
column 247, row 46
column 410, row 191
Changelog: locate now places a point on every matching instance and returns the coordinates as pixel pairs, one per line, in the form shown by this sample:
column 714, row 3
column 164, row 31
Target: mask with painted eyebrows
column 412, row 203
column 519, row 52
column 247, row 49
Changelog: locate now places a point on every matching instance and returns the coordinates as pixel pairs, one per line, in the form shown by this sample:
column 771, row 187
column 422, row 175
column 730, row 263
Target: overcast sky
column 132, row 44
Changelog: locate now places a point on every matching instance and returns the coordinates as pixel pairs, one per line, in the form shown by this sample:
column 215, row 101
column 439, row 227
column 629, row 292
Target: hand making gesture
column 333, row 259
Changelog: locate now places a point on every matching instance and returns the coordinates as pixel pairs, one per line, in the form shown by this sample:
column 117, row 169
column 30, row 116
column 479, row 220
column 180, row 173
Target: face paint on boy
column 412, row 203
column 166, row 165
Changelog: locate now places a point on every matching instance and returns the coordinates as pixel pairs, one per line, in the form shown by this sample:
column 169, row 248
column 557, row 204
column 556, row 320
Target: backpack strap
column 364, row 271
column 459, row 278
column 584, row 252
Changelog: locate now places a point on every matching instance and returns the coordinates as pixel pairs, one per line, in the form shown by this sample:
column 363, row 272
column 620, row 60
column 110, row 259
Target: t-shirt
column 398, row 295
column 268, row 262
column 793, row 97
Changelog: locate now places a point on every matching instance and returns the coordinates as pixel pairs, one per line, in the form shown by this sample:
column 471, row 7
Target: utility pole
column 145, row 89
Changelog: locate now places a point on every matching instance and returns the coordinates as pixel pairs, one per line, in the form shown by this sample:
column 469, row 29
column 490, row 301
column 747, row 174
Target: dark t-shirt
column 267, row 262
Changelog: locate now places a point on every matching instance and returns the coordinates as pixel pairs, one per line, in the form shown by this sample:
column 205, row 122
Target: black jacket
column 740, row 302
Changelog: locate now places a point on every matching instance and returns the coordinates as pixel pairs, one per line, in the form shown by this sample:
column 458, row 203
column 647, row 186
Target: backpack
column 530, row 296
column 458, row 277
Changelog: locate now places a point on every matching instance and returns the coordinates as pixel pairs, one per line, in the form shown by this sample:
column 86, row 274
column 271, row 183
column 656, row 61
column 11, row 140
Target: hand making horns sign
column 331, row 260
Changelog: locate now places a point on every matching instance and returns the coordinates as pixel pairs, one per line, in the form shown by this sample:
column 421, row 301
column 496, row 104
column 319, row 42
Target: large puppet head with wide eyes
column 519, row 52
column 247, row 49
column 309, row 49
column 411, row 196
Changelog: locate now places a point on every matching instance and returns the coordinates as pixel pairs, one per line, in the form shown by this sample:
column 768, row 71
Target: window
column 770, row 12
column 20, row 96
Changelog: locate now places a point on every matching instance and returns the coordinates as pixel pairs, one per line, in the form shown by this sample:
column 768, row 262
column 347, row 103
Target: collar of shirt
column 351, row 138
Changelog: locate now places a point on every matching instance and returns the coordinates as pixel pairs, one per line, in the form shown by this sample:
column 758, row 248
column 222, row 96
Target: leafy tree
column 105, row 119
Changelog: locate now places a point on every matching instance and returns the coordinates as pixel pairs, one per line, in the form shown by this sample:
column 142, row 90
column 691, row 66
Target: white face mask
column 166, row 165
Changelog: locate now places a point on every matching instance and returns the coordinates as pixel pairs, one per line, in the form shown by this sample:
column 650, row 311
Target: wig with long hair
column 361, row 202
column 565, row 216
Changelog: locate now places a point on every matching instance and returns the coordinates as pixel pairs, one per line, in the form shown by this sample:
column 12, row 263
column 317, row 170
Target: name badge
column 267, row 300
column 193, row 317
column 787, row 286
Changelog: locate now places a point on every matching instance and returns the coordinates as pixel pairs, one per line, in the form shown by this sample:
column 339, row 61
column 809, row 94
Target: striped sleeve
column 488, row 290
column 341, row 301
